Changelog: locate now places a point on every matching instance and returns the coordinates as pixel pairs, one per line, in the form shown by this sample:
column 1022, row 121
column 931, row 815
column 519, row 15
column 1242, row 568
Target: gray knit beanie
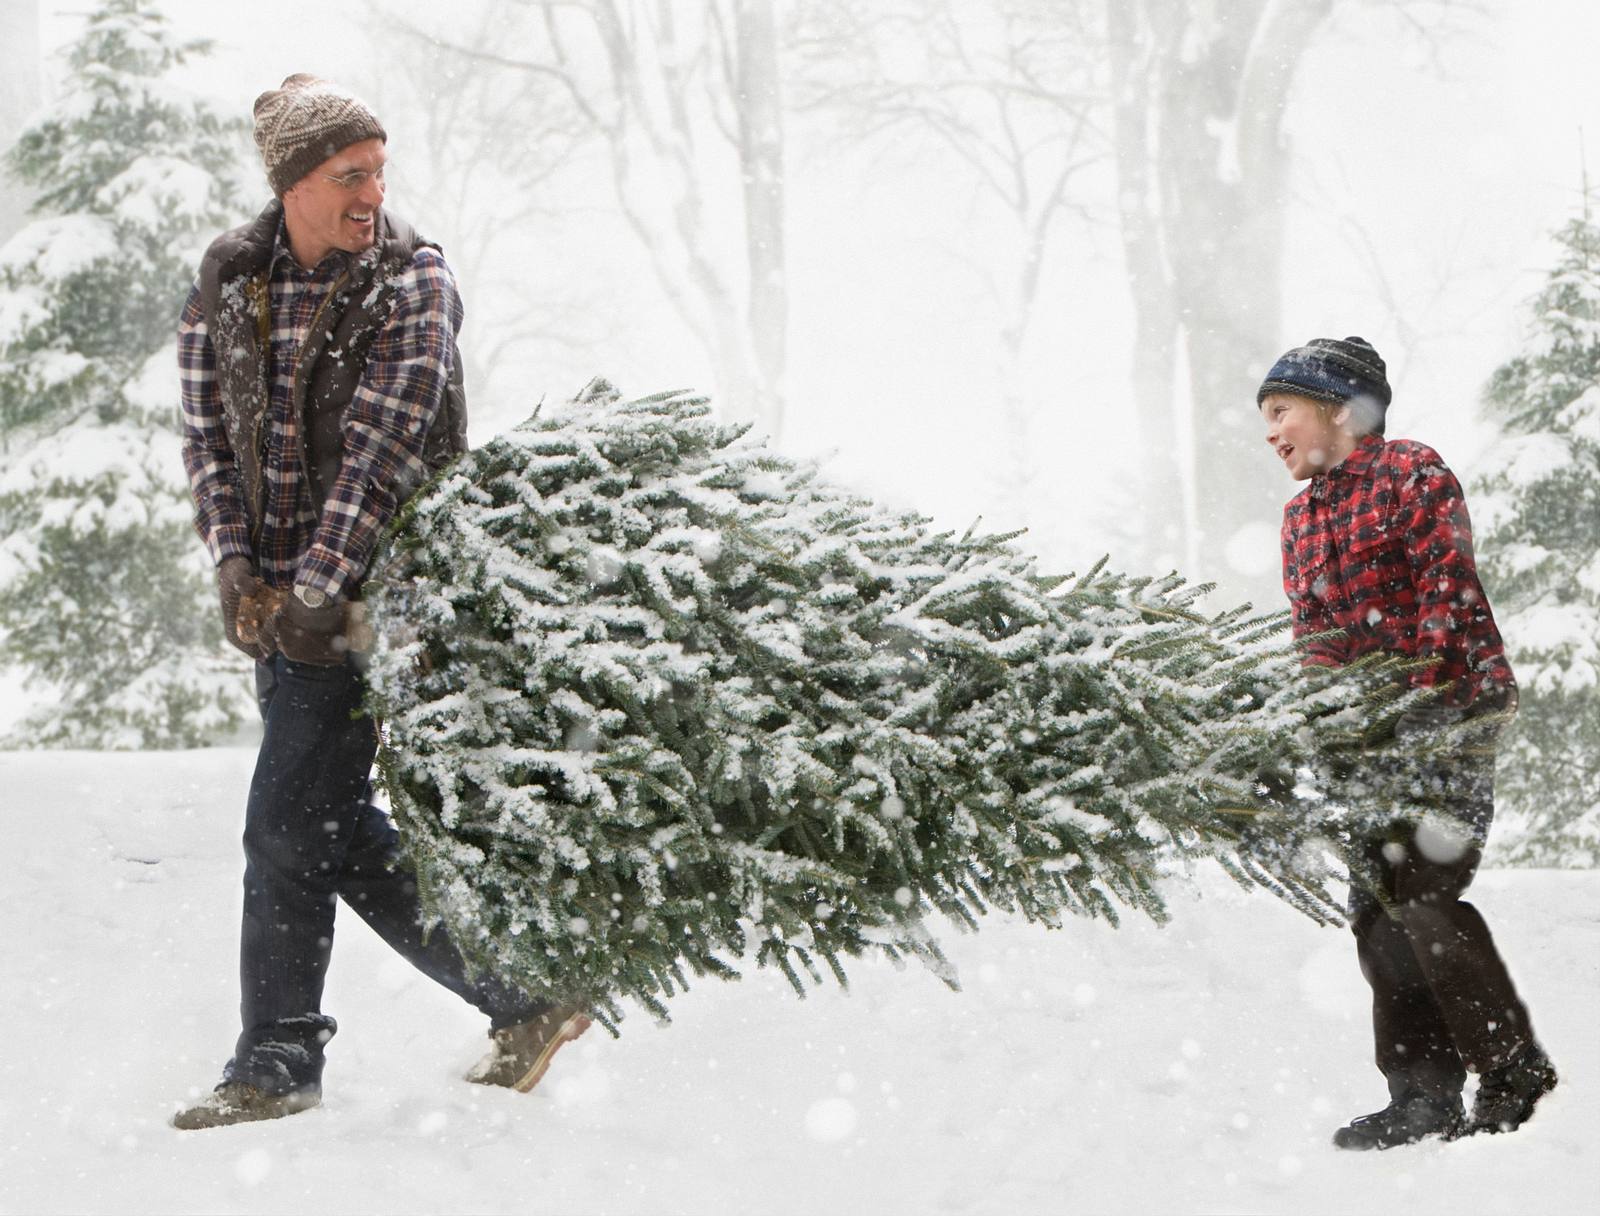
column 303, row 122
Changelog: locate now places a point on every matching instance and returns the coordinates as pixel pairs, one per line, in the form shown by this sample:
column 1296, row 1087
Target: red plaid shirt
column 1380, row 547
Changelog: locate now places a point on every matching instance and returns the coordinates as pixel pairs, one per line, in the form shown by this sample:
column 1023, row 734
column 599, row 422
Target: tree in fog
column 106, row 600
column 1198, row 93
column 1539, row 551
column 1183, row 102
column 685, row 106
column 1005, row 93
column 1161, row 122
column 20, row 95
column 487, row 155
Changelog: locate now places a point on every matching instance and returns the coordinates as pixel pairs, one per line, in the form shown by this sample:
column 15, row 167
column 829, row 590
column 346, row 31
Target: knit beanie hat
column 1326, row 369
column 303, row 122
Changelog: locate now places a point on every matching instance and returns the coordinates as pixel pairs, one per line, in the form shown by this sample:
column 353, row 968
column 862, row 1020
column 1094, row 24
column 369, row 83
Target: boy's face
column 1309, row 436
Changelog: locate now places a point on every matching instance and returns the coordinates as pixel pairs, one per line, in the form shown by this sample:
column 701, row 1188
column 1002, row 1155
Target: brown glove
column 312, row 635
column 258, row 617
column 237, row 582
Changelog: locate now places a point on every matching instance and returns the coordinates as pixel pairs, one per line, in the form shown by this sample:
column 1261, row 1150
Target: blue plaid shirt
column 396, row 402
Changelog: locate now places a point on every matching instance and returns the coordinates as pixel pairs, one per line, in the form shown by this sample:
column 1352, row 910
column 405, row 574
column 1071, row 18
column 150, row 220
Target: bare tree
column 488, row 156
column 1199, row 93
column 689, row 117
column 1008, row 92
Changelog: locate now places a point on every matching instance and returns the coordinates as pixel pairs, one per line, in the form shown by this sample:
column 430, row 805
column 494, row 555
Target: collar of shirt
column 334, row 261
column 1355, row 465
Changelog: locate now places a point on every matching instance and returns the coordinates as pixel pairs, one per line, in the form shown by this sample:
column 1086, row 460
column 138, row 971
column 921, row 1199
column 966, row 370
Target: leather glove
column 258, row 618
column 236, row 578
column 312, row 635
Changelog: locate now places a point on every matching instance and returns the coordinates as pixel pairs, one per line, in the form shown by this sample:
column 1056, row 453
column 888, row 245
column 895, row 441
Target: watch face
column 310, row 597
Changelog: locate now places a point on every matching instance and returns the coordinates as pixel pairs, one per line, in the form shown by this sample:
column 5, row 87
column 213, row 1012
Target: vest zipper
column 298, row 406
column 260, row 289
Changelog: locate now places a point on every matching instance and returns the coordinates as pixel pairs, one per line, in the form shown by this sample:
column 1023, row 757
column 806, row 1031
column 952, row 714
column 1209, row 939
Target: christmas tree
column 656, row 697
column 1539, row 543
column 105, row 600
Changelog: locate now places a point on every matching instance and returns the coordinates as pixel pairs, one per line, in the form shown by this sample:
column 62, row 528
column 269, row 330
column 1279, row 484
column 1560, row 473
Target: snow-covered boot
column 521, row 1055
column 1508, row 1094
column 1406, row 1120
column 238, row 1102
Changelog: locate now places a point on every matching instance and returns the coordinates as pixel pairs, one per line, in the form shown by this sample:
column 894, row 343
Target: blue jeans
column 312, row 837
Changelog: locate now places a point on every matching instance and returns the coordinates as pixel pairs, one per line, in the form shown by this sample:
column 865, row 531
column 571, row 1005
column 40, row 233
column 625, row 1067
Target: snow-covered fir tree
column 656, row 697
column 1539, row 551
column 106, row 601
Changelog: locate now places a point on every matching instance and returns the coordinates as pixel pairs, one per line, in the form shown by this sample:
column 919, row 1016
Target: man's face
column 1308, row 436
column 335, row 206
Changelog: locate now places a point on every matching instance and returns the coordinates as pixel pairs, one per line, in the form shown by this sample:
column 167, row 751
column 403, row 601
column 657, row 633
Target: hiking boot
column 1508, row 1094
column 521, row 1055
column 237, row 1102
column 1404, row 1121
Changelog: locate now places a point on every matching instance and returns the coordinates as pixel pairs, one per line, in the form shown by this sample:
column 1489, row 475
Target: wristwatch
column 310, row 596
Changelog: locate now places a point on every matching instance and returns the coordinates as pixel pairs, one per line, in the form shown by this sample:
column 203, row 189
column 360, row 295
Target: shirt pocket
column 1378, row 575
column 1374, row 538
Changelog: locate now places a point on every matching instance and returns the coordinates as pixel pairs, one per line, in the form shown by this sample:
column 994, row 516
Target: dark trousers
column 1442, row 1000
column 312, row 837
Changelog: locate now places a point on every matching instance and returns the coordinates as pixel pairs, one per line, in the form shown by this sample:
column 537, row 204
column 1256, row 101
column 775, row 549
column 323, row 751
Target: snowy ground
column 1196, row 1068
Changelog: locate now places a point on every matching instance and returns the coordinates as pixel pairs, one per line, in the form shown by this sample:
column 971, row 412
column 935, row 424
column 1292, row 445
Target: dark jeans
column 311, row 837
column 1442, row 1000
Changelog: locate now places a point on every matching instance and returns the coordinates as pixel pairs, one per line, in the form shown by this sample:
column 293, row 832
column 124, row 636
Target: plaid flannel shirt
column 1380, row 547
column 384, row 426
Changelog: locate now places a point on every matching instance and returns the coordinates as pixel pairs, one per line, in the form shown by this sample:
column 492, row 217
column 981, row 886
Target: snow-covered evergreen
column 657, row 696
column 106, row 598
column 1539, row 552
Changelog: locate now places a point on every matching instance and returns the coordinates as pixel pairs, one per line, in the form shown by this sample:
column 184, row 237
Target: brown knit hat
column 303, row 122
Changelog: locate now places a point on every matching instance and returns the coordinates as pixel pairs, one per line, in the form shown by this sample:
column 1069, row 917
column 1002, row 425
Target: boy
column 1379, row 548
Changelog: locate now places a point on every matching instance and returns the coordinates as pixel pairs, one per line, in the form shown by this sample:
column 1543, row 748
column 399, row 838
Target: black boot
column 1508, row 1094
column 1404, row 1121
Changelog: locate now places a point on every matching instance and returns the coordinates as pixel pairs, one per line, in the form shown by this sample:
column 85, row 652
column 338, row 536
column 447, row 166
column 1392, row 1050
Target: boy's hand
column 1427, row 719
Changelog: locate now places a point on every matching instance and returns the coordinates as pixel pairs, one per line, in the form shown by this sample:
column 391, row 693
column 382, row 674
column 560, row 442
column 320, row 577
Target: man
column 321, row 386
column 1377, row 556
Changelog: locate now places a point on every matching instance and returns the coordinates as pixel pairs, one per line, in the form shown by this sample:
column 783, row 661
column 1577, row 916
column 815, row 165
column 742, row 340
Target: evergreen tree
column 1539, row 552
column 105, row 598
column 655, row 696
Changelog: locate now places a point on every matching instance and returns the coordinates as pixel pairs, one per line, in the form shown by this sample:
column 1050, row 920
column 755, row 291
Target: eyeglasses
column 356, row 179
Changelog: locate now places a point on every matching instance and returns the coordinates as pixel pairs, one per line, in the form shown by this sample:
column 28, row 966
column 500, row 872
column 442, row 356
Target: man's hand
column 236, row 579
column 312, row 635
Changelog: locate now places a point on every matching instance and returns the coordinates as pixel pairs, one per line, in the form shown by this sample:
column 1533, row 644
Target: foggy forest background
column 1023, row 260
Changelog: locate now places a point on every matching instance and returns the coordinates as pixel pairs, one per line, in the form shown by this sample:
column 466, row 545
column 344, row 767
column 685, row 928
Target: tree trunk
column 759, row 105
column 1200, row 105
column 1225, row 168
column 1136, row 71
